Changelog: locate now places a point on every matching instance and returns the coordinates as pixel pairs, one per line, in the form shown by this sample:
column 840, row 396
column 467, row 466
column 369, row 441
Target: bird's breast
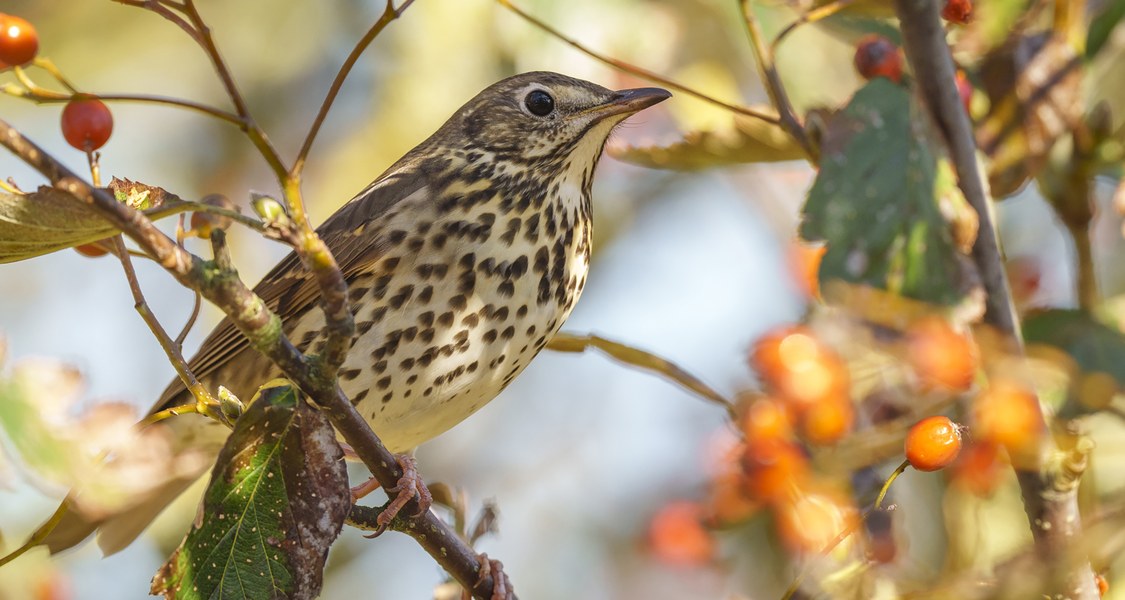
column 471, row 287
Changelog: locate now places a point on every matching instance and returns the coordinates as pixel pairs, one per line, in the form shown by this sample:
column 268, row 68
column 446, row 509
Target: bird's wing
column 289, row 288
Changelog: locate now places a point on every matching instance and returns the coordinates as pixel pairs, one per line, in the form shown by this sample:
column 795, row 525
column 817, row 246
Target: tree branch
column 635, row 70
column 763, row 55
column 263, row 329
column 1049, row 494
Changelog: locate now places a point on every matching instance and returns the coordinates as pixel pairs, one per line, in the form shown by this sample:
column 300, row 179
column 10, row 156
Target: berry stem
column 887, row 484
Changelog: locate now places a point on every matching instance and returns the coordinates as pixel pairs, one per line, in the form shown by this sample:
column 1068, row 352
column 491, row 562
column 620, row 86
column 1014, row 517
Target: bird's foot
column 409, row 486
column 501, row 585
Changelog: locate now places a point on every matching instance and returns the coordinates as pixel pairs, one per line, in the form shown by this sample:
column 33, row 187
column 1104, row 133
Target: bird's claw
column 501, row 585
column 409, row 486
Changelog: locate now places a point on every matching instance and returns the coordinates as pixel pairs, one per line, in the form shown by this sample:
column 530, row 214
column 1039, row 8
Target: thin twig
column 203, row 398
column 763, row 55
column 811, row 16
column 197, row 305
column 389, row 14
column 635, row 70
column 43, row 96
column 569, row 342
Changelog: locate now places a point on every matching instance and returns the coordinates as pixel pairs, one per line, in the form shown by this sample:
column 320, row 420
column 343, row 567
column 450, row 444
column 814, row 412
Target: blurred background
column 580, row 452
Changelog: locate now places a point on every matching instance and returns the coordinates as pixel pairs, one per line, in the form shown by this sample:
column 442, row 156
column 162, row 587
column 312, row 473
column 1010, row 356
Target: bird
column 462, row 260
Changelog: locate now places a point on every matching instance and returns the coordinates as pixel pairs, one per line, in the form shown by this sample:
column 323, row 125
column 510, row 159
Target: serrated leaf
column 749, row 140
column 875, row 201
column 1095, row 346
column 277, row 499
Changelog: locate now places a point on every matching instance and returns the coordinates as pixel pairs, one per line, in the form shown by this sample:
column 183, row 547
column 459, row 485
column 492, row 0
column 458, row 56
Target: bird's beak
column 630, row 101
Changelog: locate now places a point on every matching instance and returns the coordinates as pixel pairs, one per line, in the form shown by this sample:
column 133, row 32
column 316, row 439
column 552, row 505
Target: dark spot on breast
column 467, row 282
column 508, row 333
column 506, row 289
column 446, row 319
column 458, row 302
column 470, row 320
column 489, row 336
column 349, row 374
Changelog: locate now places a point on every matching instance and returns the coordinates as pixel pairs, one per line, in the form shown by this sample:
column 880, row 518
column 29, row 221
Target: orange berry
column 1103, row 584
column 804, row 261
column 800, row 367
column 828, row 421
column 19, row 42
column 677, row 535
column 774, row 469
column 1008, row 414
column 933, row 443
column 957, row 11
column 766, row 419
column 812, row 521
column 978, row 468
column 728, row 502
column 941, row 356
column 876, row 56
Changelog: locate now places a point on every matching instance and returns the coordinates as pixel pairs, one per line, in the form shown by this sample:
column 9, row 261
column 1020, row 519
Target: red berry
column 933, row 443
column 876, row 56
column 19, row 42
column 957, row 11
column 92, row 250
column 86, row 123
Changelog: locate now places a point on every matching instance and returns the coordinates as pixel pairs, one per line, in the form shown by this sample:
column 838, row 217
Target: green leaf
column 1102, row 26
column 1095, row 346
column 876, row 200
column 277, row 499
column 749, row 140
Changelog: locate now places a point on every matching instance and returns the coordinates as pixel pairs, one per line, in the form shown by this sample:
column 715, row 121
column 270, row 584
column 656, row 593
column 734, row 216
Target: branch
column 638, row 71
column 569, row 342
column 389, row 14
column 764, row 56
column 1049, row 493
column 263, row 329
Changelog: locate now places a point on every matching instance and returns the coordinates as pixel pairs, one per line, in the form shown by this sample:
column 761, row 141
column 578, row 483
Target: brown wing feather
column 288, row 288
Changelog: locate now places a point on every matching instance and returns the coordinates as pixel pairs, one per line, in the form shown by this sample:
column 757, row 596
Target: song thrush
column 462, row 260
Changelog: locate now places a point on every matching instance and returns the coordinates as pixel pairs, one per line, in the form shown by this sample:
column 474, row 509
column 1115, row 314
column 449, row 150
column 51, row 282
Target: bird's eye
column 539, row 103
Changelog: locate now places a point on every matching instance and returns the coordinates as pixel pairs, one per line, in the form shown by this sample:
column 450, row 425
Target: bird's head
column 541, row 116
